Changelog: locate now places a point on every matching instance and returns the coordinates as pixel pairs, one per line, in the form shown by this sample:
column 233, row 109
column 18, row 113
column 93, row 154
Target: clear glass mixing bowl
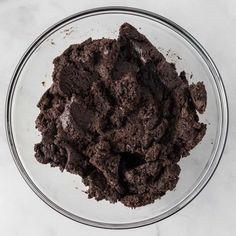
column 64, row 192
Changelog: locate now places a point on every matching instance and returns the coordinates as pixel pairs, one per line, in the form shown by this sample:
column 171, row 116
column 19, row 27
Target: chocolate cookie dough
column 120, row 116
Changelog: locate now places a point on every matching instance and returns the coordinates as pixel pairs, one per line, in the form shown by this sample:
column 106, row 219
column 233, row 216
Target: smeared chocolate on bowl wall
column 120, row 116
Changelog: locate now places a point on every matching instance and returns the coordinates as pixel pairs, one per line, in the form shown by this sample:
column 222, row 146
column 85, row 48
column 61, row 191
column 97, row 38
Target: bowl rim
column 179, row 30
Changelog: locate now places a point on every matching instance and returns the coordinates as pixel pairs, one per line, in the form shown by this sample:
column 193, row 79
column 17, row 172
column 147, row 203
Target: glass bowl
column 64, row 192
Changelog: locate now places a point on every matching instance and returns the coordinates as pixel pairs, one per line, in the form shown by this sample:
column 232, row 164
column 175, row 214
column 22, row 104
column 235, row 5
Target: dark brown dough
column 120, row 116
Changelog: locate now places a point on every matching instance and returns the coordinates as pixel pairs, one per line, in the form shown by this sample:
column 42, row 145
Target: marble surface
column 212, row 22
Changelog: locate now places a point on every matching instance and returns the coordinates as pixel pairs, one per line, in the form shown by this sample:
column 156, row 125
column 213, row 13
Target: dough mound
column 119, row 115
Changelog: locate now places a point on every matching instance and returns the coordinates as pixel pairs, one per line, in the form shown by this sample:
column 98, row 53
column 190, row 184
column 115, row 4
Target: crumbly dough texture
column 119, row 115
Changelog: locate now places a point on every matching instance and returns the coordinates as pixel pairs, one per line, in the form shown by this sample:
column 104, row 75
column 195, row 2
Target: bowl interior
column 65, row 191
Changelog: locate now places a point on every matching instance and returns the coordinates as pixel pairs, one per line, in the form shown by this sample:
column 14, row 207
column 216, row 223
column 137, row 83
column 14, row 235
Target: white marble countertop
column 212, row 22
